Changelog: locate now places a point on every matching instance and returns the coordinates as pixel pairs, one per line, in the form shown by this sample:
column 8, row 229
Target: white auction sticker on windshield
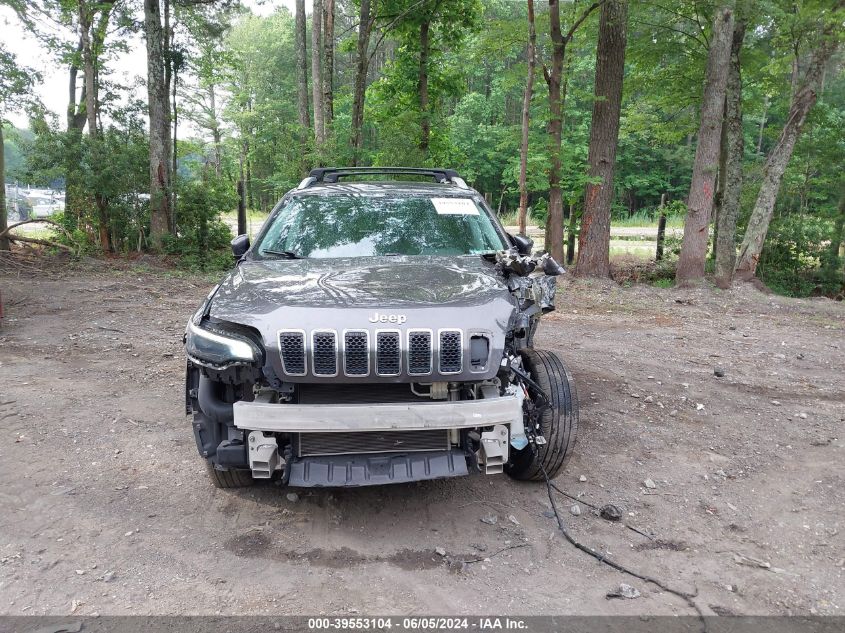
column 454, row 206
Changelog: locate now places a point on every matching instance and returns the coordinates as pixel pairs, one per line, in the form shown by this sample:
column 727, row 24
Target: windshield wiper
column 282, row 254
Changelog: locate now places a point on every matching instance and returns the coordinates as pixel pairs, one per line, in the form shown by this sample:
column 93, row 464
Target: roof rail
column 333, row 174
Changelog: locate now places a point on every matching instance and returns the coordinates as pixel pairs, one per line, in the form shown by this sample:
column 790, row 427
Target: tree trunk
column 158, row 106
column 174, row 154
column 835, row 242
column 570, row 235
column 328, row 66
column 731, row 168
column 422, row 85
column 554, row 224
column 92, row 107
column 526, row 119
column 250, row 194
column 594, row 238
column 700, row 203
column 302, row 66
column 75, row 123
column 838, row 229
column 762, row 124
column 215, row 130
column 554, row 81
column 4, row 221
column 88, row 66
column 317, row 73
column 802, row 101
column 169, row 143
column 359, row 91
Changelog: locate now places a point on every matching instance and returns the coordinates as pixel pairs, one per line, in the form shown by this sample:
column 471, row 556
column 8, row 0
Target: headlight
column 217, row 349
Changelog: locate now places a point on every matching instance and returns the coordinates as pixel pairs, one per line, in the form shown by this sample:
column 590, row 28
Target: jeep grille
column 360, row 353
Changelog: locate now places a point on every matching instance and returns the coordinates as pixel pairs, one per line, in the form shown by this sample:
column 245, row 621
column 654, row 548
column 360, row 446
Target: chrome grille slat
column 451, row 351
column 292, row 350
column 324, row 352
column 419, row 352
column 356, row 352
column 388, row 353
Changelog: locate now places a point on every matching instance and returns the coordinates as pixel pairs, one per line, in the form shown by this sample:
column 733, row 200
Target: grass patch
column 647, row 218
column 252, row 215
column 639, row 249
column 511, row 218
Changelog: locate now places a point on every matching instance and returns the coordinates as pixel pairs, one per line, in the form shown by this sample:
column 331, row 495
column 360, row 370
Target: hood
column 261, row 287
column 400, row 294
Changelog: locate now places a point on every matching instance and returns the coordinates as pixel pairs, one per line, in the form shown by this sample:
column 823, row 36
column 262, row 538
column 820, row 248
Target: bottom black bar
column 403, row 624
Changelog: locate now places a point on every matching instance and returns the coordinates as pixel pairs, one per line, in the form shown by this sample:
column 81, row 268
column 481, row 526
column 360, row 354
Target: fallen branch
column 504, row 549
column 35, row 240
column 110, row 329
column 18, row 261
column 638, row 531
column 32, row 221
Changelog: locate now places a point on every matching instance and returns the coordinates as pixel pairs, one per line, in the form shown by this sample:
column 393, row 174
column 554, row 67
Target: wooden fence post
column 241, row 209
column 570, row 236
column 661, row 228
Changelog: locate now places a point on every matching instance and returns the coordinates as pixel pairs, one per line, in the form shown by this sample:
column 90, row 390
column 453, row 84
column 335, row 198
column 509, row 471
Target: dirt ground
column 106, row 507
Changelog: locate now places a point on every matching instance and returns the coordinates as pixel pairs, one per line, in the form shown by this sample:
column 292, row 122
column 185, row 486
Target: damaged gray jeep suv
column 379, row 330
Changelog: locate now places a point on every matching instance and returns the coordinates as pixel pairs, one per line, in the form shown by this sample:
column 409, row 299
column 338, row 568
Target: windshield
column 364, row 226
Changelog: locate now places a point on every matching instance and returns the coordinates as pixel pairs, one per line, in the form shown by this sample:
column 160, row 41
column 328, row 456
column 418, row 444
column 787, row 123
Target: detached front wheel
column 558, row 424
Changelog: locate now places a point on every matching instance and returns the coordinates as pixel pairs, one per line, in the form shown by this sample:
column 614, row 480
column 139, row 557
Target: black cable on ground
column 687, row 597
column 532, row 431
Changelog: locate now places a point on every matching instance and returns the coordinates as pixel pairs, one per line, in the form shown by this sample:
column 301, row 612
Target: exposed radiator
column 372, row 442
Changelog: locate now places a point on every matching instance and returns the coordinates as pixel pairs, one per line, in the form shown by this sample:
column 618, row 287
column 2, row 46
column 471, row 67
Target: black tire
column 229, row 478
column 559, row 424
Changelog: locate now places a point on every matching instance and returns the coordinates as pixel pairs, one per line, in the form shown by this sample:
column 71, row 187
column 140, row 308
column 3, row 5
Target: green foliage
column 260, row 79
column 237, row 86
column 16, row 83
column 796, row 259
column 14, row 150
column 202, row 238
column 540, row 212
column 114, row 167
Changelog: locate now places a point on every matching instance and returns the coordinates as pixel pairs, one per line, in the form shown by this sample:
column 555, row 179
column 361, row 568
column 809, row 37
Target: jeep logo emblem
column 388, row 318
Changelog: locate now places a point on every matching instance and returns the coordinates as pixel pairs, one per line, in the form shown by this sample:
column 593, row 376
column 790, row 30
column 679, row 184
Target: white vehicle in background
column 24, row 203
column 45, row 203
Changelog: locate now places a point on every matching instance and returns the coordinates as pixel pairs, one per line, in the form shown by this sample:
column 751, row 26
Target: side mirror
column 240, row 245
column 523, row 243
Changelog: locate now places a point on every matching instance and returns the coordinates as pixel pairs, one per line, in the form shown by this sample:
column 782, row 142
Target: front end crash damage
column 307, row 430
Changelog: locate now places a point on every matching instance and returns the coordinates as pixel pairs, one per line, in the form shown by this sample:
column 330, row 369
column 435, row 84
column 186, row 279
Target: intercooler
column 306, row 444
